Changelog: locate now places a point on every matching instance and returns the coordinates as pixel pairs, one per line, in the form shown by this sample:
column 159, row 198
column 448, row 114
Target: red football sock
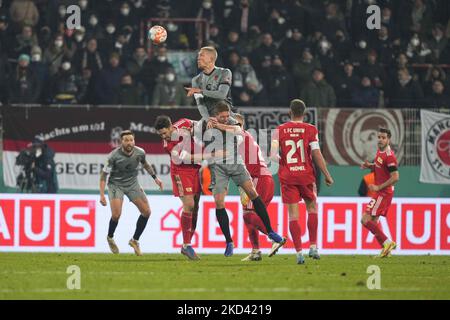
column 296, row 234
column 375, row 229
column 194, row 223
column 252, row 231
column 312, row 227
column 186, row 225
column 256, row 221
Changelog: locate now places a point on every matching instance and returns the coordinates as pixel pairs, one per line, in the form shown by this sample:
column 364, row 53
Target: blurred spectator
column 154, row 69
column 40, row 69
column 333, row 20
column 128, row 93
column 6, row 37
column 55, row 53
column 169, row 92
column 233, row 43
column 246, row 87
column 5, row 70
column 89, row 58
column 136, row 63
column 366, row 95
column 109, row 80
column 374, row 70
column 265, row 51
column 291, row 46
column 325, row 54
column 342, row 46
column 437, row 43
column 277, row 25
column 242, row 16
column 25, row 87
column 421, row 17
column 407, row 92
column 318, row 93
column 281, row 88
column 66, row 87
column 359, row 52
column 232, row 60
column 94, row 29
column 347, row 83
column 25, row 41
column 24, row 12
column 434, row 73
column 383, row 45
column 438, row 98
column 418, row 51
column 304, row 67
column 126, row 16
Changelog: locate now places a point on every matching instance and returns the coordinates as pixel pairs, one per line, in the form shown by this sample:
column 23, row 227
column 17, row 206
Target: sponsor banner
column 83, row 137
column 78, row 223
column 350, row 136
column 435, row 163
column 82, row 171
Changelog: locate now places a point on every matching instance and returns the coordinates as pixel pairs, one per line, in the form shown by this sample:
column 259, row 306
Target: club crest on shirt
column 379, row 160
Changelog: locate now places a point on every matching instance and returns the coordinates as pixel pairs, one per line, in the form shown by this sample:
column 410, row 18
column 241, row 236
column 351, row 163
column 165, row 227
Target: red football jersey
column 253, row 158
column 184, row 143
column 384, row 161
column 295, row 140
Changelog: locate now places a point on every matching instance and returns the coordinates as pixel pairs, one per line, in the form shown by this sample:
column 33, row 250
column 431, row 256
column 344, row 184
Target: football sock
column 112, row 227
column 252, row 232
column 256, row 221
column 261, row 211
column 376, row 231
column 140, row 226
column 186, row 225
column 194, row 221
column 224, row 223
column 312, row 227
column 296, row 234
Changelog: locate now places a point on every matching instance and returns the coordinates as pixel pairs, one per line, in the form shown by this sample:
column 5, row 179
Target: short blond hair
column 211, row 50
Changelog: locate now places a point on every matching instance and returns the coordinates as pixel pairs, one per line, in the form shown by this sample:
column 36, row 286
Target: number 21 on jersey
column 294, row 147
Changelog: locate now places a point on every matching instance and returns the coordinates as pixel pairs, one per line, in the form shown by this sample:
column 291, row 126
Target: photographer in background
column 38, row 169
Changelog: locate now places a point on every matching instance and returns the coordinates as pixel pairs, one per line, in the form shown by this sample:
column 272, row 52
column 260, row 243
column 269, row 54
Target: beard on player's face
column 382, row 142
column 128, row 145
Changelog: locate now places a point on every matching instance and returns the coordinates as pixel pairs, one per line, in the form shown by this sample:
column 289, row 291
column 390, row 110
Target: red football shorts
column 292, row 193
column 265, row 187
column 185, row 183
column 379, row 204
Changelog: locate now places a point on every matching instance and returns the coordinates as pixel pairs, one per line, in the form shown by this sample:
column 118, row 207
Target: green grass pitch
column 172, row 276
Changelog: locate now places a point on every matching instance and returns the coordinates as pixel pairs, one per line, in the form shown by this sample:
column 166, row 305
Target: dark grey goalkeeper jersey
column 123, row 168
column 215, row 87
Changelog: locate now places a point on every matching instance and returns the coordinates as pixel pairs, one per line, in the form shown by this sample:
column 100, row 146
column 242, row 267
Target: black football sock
column 112, row 227
column 261, row 211
column 224, row 223
column 140, row 226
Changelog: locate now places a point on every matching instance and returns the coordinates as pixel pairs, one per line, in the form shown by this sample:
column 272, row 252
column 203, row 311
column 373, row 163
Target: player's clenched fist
column 366, row 165
column 103, row 200
column 329, row 180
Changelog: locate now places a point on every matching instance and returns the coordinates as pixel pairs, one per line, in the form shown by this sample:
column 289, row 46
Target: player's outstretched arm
column 321, row 164
column 147, row 167
column 234, row 129
column 103, row 176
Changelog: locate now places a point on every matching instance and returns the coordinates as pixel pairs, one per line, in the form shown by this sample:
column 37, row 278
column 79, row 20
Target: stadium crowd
column 319, row 51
